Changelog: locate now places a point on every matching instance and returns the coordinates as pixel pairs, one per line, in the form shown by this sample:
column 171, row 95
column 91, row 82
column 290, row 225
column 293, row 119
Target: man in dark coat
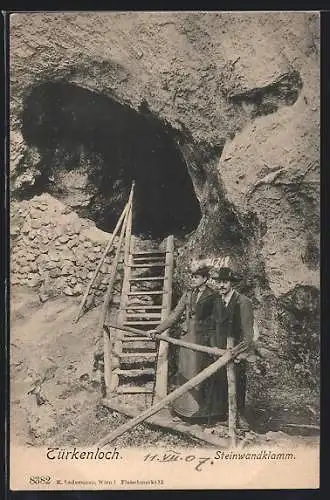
column 232, row 316
column 195, row 307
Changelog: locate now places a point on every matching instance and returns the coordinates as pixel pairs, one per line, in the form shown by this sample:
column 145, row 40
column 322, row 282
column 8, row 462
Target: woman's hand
column 152, row 334
column 248, row 356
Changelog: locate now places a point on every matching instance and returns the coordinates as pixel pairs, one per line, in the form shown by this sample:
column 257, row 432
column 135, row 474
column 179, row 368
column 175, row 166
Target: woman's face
column 197, row 280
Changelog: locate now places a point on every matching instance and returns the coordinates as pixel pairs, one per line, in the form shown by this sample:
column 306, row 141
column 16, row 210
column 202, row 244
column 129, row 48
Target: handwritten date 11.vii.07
column 177, row 456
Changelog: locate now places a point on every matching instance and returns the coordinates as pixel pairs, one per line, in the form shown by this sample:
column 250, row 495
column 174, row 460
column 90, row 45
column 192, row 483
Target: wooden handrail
column 160, row 386
column 215, row 351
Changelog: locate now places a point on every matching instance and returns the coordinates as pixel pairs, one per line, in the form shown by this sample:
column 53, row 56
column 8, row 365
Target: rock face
column 183, row 64
column 277, row 179
column 234, row 97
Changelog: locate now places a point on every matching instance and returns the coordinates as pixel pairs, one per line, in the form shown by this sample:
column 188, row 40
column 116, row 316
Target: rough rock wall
column 184, row 65
column 271, row 169
column 212, row 76
column 245, row 81
column 55, row 252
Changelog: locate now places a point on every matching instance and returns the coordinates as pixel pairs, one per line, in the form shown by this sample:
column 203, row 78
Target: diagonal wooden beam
column 107, row 299
column 164, row 421
column 200, row 377
column 98, row 267
column 106, row 251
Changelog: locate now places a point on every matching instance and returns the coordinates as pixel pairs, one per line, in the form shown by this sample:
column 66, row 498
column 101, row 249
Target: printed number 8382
column 40, row 479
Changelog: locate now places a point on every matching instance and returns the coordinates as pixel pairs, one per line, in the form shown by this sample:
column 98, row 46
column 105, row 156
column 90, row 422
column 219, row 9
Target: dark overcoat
column 209, row 322
column 234, row 320
column 195, row 309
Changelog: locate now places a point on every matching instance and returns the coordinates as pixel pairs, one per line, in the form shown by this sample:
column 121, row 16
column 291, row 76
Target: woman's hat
column 199, row 267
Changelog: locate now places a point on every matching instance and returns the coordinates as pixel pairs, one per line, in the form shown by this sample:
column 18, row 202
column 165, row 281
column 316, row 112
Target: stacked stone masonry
column 55, row 251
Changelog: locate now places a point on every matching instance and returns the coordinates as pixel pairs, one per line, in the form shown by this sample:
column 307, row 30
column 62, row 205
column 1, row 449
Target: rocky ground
column 56, row 393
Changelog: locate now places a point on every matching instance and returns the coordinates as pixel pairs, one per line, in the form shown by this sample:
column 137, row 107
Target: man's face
column 224, row 287
column 197, row 280
column 221, row 286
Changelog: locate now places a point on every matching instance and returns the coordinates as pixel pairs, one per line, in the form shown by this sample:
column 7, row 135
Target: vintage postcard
column 164, row 263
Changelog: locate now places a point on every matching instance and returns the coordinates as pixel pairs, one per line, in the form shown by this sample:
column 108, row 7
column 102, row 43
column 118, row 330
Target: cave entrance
column 77, row 130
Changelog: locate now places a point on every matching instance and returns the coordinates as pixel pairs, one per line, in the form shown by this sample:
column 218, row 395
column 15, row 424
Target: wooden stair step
column 141, row 323
column 148, row 264
column 137, row 357
column 148, row 257
column 143, row 317
column 149, row 252
column 139, row 347
column 128, row 389
column 141, row 307
column 134, row 373
column 150, row 278
column 137, row 338
column 147, row 292
column 138, row 315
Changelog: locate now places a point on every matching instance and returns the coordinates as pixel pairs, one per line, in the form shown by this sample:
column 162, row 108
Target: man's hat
column 223, row 274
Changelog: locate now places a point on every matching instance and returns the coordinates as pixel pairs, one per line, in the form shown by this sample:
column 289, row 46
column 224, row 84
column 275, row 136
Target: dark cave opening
column 75, row 130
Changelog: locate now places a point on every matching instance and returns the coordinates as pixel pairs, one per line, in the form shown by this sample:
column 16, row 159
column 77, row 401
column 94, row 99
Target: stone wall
column 55, row 251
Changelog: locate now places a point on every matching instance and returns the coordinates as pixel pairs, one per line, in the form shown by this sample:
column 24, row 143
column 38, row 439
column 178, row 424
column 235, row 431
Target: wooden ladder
column 145, row 301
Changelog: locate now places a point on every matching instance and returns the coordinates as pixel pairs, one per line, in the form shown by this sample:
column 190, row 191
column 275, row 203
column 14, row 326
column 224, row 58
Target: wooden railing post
column 162, row 359
column 232, row 397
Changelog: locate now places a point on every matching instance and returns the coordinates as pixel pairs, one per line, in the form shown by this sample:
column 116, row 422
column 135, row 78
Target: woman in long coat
column 195, row 307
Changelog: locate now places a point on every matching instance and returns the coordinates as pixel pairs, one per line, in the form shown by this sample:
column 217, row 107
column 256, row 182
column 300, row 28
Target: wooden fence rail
column 228, row 356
